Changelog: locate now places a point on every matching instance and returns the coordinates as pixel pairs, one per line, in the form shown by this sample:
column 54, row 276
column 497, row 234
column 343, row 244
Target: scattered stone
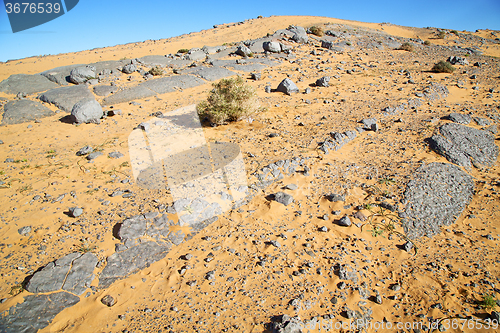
column 256, row 76
column 287, row 86
column 108, row 300
column 323, row 82
column 115, row 154
column 94, row 155
column 84, row 151
column 323, row 229
column 283, row 198
column 87, row 111
column 75, row 211
column 345, row 221
column 408, row 246
column 292, row 187
column 129, row 68
column 243, row 51
column 82, row 74
column 285, row 324
column 370, row 124
column 436, row 196
column 458, row 60
column 24, row 231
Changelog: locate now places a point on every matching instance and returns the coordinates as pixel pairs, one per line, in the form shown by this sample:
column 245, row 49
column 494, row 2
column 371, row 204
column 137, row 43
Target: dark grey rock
column 454, row 60
column 462, row 145
column 210, row 73
column 128, row 95
column 115, row 154
column 336, row 197
column 131, row 260
column 52, row 277
column 82, row 74
column 66, row 97
column 132, row 228
column 327, row 44
column 104, row 90
column 27, row 84
column 17, row 112
column 60, row 75
column 482, row 121
column 345, row 221
column 287, row 86
column 460, row 118
column 436, row 196
column 408, row 246
column 75, row 211
column 256, row 76
column 94, row 155
column 84, row 151
column 35, row 312
column 108, row 300
column 283, row 198
column 81, row 274
column 87, row 111
column 129, row 68
column 323, row 82
column 273, row 47
column 243, row 51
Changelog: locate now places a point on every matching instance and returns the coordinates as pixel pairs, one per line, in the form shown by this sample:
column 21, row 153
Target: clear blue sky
column 101, row 23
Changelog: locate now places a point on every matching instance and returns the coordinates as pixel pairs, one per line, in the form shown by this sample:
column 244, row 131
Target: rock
column 435, row 91
column 273, row 47
column 17, row 112
column 345, row 221
column 27, row 84
column 285, row 324
column 87, row 111
column 436, row 196
column 81, row 274
column 75, row 211
column 84, row 151
column 66, row 97
column 326, row 44
column 115, row 154
column 195, row 55
column 292, row 187
column 460, row 118
column 283, row 198
column 243, row 51
column 131, row 260
column 299, row 34
column 408, row 246
column 108, row 300
column 336, row 197
column 21, row 317
column 210, row 73
column 287, row 86
column 267, row 89
column 94, row 155
column 458, row 60
column 24, row 231
column 82, row 74
column 370, row 124
column 323, row 82
column 104, row 90
column 130, row 94
column 256, row 76
column 462, row 145
column 129, row 69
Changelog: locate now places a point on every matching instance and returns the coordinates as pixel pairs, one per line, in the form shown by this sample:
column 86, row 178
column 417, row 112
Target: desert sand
column 267, row 259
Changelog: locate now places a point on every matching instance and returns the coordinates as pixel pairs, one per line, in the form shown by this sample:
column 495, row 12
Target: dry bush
column 230, row 100
column 156, row 71
column 315, row 30
column 407, row 47
column 443, row 67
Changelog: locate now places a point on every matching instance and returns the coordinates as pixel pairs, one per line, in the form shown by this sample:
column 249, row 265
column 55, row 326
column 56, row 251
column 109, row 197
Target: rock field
column 368, row 190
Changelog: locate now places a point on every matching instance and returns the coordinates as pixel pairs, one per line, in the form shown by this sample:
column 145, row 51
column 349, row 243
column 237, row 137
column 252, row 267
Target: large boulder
column 66, row 97
column 288, row 87
column 273, row 47
column 87, row 111
column 299, row 34
column 243, row 51
column 129, row 68
column 82, row 74
column 24, row 110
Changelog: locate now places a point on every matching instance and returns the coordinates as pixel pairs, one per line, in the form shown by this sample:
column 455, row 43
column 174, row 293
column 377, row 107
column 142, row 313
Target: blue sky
column 100, row 23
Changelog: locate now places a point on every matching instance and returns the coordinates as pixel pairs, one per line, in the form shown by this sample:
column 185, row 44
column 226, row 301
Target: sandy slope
column 449, row 269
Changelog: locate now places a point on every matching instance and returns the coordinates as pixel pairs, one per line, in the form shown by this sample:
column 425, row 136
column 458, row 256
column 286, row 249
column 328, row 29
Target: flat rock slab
column 168, row 84
column 73, row 272
column 36, row 312
column 210, row 73
column 464, row 145
column 60, row 75
column 123, row 263
column 162, row 61
column 128, row 95
column 66, row 97
column 105, row 90
column 248, row 67
column 436, row 196
column 17, row 112
column 28, row 84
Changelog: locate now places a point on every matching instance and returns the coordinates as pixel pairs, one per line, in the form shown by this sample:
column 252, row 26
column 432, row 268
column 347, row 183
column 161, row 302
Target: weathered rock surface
column 87, row 111
column 24, row 83
column 243, row 51
column 283, row 198
column 285, row 324
column 273, row 47
column 288, row 87
column 24, row 110
column 36, row 312
column 210, row 73
column 436, row 196
column 82, row 74
column 104, row 90
column 464, row 145
column 66, row 97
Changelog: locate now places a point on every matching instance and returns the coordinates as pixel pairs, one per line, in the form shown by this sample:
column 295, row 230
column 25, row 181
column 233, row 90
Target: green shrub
column 315, row 30
column 443, row 67
column 156, row 71
column 407, row 47
column 259, row 17
column 183, row 51
column 454, row 32
column 427, row 43
column 488, row 302
column 441, row 35
column 230, row 100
